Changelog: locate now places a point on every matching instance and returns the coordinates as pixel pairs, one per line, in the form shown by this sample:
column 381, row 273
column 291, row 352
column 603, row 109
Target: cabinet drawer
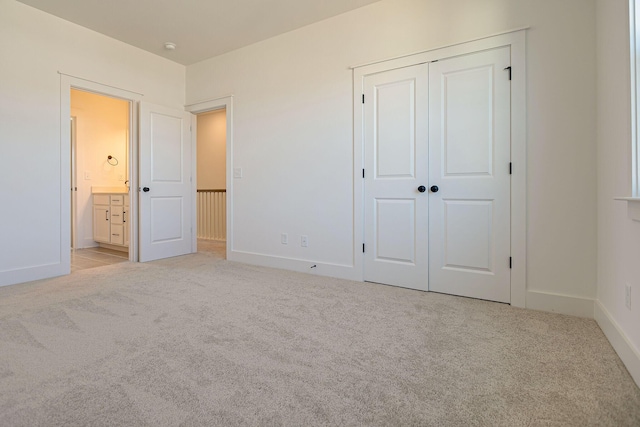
column 117, row 234
column 117, row 199
column 100, row 199
column 117, row 215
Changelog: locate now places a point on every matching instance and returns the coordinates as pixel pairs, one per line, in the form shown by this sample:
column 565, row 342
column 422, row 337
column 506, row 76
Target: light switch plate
column 237, row 172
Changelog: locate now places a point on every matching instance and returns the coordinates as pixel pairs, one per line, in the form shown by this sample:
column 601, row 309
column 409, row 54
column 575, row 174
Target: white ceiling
column 201, row 29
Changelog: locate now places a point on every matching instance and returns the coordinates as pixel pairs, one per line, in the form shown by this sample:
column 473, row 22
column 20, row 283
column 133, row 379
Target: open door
column 165, row 191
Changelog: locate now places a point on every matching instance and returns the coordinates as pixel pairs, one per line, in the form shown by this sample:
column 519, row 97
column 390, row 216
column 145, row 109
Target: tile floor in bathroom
column 82, row 259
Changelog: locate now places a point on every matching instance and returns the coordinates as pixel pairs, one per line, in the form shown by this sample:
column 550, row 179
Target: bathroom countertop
column 109, row 190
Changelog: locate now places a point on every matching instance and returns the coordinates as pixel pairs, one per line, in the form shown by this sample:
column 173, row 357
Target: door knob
column 434, row 189
column 146, row 189
column 422, row 189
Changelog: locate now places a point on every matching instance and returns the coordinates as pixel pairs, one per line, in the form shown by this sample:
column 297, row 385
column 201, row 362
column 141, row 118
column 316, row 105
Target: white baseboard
column 29, row 274
column 629, row 355
column 339, row 271
column 558, row 303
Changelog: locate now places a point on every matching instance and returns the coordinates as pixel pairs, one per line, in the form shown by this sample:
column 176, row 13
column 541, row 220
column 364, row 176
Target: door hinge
column 509, row 68
column 363, row 173
column 363, row 248
column 510, row 262
column 510, row 168
column 363, row 98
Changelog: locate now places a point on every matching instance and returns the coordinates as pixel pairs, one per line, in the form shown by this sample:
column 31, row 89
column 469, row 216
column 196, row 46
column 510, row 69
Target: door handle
column 422, row 189
column 434, row 189
column 145, row 189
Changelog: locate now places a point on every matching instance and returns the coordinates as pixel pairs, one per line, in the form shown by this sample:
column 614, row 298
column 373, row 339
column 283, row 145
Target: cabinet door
column 101, row 226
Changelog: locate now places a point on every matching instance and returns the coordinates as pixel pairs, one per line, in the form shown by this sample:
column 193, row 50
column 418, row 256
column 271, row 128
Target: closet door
column 469, row 175
column 395, row 158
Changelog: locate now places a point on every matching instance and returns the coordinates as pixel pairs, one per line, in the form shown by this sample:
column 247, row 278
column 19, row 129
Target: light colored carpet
column 197, row 340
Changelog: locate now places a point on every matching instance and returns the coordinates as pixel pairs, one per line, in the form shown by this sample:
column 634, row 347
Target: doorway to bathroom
column 100, row 142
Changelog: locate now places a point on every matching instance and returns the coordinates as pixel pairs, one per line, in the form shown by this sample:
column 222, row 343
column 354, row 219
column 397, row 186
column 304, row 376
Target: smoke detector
column 170, row 46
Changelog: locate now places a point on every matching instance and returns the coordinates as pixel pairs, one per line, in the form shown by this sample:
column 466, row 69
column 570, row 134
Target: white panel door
column 165, row 182
column 469, row 150
column 395, row 159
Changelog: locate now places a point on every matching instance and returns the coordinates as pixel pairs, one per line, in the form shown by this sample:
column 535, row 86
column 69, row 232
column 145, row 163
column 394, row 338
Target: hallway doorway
column 211, row 201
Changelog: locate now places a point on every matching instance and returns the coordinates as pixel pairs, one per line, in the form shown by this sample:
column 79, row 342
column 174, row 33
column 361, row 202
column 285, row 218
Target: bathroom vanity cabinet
column 111, row 219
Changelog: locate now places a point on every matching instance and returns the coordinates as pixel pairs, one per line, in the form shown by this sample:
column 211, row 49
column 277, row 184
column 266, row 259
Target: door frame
column 74, row 183
column 68, row 82
column 225, row 102
column 516, row 40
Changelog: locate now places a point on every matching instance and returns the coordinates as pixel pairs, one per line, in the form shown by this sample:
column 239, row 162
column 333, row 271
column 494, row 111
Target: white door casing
column 469, row 150
column 165, row 170
column 395, row 165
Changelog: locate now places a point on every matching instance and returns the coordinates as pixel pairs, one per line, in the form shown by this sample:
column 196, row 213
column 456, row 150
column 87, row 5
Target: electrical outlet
column 284, row 239
column 627, row 296
column 304, row 241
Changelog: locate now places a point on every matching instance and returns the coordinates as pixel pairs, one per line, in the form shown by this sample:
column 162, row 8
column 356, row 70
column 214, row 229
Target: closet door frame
column 516, row 40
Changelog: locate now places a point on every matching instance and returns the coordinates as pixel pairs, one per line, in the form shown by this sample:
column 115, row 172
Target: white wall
column 102, row 130
column 34, row 46
column 212, row 144
column 618, row 236
column 293, row 129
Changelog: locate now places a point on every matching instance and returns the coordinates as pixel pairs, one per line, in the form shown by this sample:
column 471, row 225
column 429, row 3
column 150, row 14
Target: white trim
column 225, row 102
column 517, row 42
column 34, row 272
column 122, row 93
column 134, row 181
column 629, row 355
column 340, row 271
column 560, row 303
column 208, row 104
column 633, row 207
column 634, row 42
column 194, row 182
column 519, row 175
column 439, row 47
